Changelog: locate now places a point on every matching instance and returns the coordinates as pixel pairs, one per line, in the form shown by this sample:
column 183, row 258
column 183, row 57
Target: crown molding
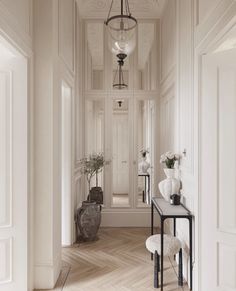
column 140, row 8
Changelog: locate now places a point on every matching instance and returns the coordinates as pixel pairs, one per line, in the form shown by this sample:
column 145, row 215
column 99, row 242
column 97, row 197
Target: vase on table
column 144, row 166
column 170, row 185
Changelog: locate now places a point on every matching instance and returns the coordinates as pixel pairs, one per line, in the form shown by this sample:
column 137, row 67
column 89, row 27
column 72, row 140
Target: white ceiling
column 139, row 8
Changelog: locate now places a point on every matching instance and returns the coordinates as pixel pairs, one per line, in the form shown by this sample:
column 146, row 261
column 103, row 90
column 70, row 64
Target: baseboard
column 120, row 218
column 46, row 274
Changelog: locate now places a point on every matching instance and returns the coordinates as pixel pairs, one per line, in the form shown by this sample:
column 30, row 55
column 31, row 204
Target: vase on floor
column 170, row 185
column 96, row 194
column 88, row 221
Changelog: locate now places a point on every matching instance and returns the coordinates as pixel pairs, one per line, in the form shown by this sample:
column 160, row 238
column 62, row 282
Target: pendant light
column 121, row 29
column 120, row 84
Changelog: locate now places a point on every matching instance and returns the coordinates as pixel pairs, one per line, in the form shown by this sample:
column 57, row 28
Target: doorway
column 13, row 169
column 66, row 166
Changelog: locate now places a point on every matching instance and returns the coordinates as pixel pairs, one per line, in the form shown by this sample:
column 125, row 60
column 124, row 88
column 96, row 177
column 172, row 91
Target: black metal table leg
column 191, row 253
column 174, row 230
column 162, row 252
column 152, row 213
column 180, row 276
column 156, row 275
column 145, row 189
column 174, row 226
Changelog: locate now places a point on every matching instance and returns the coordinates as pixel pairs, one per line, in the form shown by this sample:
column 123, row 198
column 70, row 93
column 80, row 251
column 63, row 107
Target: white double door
column 218, row 173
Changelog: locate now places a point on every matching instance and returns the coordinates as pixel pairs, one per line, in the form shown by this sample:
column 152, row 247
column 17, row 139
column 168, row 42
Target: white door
column 13, row 174
column 218, row 173
column 121, row 153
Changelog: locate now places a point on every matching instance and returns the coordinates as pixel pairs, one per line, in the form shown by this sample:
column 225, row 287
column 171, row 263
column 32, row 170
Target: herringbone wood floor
column 117, row 261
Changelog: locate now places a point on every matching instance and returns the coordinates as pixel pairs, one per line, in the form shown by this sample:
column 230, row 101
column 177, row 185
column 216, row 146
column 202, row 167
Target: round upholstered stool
column 171, row 246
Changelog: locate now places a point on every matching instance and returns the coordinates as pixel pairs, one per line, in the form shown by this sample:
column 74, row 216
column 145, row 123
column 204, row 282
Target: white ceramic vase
column 170, row 185
column 143, row 166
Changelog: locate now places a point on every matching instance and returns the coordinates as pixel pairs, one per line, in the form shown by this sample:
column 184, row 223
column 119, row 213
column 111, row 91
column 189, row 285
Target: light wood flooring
column 117, row 261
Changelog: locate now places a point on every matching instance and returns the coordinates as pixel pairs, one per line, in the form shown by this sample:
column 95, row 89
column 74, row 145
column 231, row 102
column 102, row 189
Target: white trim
column 10, row 241
column 47, row 272
column 218, row 17
column 10, row 152
column 11, row 31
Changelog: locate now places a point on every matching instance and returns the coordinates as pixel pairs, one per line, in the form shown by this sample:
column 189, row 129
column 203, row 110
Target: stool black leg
column 180, row 279
column 156, row 266
column 158, row 263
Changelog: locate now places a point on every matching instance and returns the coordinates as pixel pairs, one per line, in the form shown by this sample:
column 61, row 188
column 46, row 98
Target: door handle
column 124, row 162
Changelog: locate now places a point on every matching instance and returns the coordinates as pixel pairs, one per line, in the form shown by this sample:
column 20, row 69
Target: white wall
column 54, row 41
column 193, row 22
column 176, row 103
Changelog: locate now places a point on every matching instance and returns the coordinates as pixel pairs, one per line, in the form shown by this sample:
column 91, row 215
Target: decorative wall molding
column 168, row 39
column 141, row 8
column 218, row 16
column 6, row 274
column 226, row 256
column 13, row 32
column 184, row 90
column 6, row 106
column 66, row 34
column 168, row 82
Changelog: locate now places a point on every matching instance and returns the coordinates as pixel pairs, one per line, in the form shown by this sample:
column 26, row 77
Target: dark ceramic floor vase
column 96, row 194
column 88, row 221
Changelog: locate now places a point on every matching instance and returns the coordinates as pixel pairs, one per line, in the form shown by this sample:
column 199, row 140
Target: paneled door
column 218, row 172
column 121, row 153
column 13, row 174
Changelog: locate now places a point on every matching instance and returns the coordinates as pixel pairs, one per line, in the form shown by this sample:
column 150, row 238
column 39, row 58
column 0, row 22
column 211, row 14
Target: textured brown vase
column 88, row 221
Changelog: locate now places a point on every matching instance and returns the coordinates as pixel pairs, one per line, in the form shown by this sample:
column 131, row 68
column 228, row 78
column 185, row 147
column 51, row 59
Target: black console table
column 146, row 198
column 166, row 210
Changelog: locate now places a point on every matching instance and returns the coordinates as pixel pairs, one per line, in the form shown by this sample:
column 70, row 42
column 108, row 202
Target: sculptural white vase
column 143, row 166
column 170, row 185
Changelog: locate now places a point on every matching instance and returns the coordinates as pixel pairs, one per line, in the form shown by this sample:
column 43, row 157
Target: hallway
column 106, row 106
column 117, row 261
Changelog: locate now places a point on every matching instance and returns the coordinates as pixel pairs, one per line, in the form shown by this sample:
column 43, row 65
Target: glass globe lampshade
column 121, row 30
column 121, row 41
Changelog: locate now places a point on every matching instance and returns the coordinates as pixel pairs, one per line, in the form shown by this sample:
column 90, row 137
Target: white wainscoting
column 176, row 102
column 6, row 260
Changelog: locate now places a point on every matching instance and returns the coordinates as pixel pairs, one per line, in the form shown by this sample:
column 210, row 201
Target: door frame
column 216, row 36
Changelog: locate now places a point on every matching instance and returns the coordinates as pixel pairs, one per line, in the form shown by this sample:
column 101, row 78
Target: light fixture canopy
column 121, row 29
column 119, row 73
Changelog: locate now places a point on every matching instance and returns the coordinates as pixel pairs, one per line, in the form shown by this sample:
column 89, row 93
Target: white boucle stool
column 171, row 247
